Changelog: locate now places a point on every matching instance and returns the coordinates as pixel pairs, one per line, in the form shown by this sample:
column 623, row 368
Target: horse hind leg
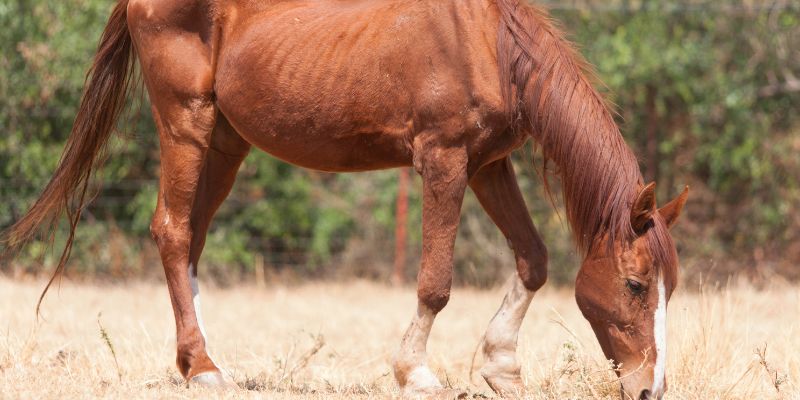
column 195, row 180
column 199, row 158
column 185, row 134
column 225, row 154
column 496, row 188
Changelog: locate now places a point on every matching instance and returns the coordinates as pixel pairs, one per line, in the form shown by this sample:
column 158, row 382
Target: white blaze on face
column 660, row 333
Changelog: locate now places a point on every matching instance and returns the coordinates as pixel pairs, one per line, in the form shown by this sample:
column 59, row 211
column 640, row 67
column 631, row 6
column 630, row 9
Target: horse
column 449, row 87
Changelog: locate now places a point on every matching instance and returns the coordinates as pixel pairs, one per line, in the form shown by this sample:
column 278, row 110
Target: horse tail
column 108, row 82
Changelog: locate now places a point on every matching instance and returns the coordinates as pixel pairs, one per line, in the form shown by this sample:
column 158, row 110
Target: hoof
column 506, row 382
column 417, row 382
column 421, row 383
column 434, row 394
column 212, row 380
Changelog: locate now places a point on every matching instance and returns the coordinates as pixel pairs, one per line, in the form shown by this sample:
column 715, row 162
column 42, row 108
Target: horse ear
column 643, row 208
column 672, row 210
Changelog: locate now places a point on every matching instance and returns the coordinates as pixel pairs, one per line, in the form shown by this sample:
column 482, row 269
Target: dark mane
column 547, row 83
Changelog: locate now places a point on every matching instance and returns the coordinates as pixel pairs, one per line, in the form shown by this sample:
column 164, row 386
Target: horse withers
column 450, row 87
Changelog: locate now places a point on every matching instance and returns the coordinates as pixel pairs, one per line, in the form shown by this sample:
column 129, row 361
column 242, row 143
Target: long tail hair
column 105, row 92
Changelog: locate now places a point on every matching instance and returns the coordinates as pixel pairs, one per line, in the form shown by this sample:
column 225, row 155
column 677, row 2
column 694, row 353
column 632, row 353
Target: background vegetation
column 708, row 93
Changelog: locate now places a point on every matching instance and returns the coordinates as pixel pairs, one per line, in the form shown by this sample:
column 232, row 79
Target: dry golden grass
column 262, row 335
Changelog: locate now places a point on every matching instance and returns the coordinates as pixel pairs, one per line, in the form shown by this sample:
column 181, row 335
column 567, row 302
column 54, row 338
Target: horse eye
column 634, row 286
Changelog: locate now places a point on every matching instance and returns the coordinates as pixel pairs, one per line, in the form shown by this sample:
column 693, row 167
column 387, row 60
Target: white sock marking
column 500, row 345
column 660, row 333
column 196, row 300
column 413, row 354
column 421, row 378
column 198, row 315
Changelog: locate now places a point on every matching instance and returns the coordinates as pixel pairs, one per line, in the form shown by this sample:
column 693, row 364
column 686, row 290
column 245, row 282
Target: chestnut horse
column 450, row 87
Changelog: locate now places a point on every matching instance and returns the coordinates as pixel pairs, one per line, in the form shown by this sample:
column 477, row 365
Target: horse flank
column 545, row 82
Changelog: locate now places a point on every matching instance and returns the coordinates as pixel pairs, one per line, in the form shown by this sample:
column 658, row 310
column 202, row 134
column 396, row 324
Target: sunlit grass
column 724, row 343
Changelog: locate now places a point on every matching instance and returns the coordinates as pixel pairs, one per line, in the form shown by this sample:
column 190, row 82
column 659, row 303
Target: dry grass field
column 725, row 343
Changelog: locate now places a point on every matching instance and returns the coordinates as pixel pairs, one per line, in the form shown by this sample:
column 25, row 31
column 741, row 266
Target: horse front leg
column 444, row 180
column 496, row 188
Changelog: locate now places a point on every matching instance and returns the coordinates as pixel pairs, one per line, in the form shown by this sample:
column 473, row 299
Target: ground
column 733, row 342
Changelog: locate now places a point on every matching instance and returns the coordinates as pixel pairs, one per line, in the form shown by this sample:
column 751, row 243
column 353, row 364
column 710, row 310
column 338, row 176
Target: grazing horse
column 450, row 87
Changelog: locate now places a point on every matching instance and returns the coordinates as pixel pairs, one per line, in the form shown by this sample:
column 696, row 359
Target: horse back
column 363, row 75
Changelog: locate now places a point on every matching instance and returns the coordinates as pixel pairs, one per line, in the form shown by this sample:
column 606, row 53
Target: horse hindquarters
column 200, row 155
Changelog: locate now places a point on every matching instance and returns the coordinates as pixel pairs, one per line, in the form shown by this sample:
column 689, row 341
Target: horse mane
column 546, row 82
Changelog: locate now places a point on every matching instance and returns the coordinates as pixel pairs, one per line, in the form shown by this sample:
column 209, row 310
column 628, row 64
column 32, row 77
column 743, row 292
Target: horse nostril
column 645, row 395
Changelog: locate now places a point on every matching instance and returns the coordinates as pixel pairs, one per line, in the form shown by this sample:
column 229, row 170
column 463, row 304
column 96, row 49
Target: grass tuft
column 107, row 340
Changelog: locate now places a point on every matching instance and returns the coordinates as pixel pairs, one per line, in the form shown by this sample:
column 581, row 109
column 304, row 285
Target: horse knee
column 532, row 267
column 434, row 296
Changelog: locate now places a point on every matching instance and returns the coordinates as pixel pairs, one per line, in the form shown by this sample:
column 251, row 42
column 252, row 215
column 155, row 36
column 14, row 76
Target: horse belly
column 336, row 88
column 295, row 132
column 322, row 151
